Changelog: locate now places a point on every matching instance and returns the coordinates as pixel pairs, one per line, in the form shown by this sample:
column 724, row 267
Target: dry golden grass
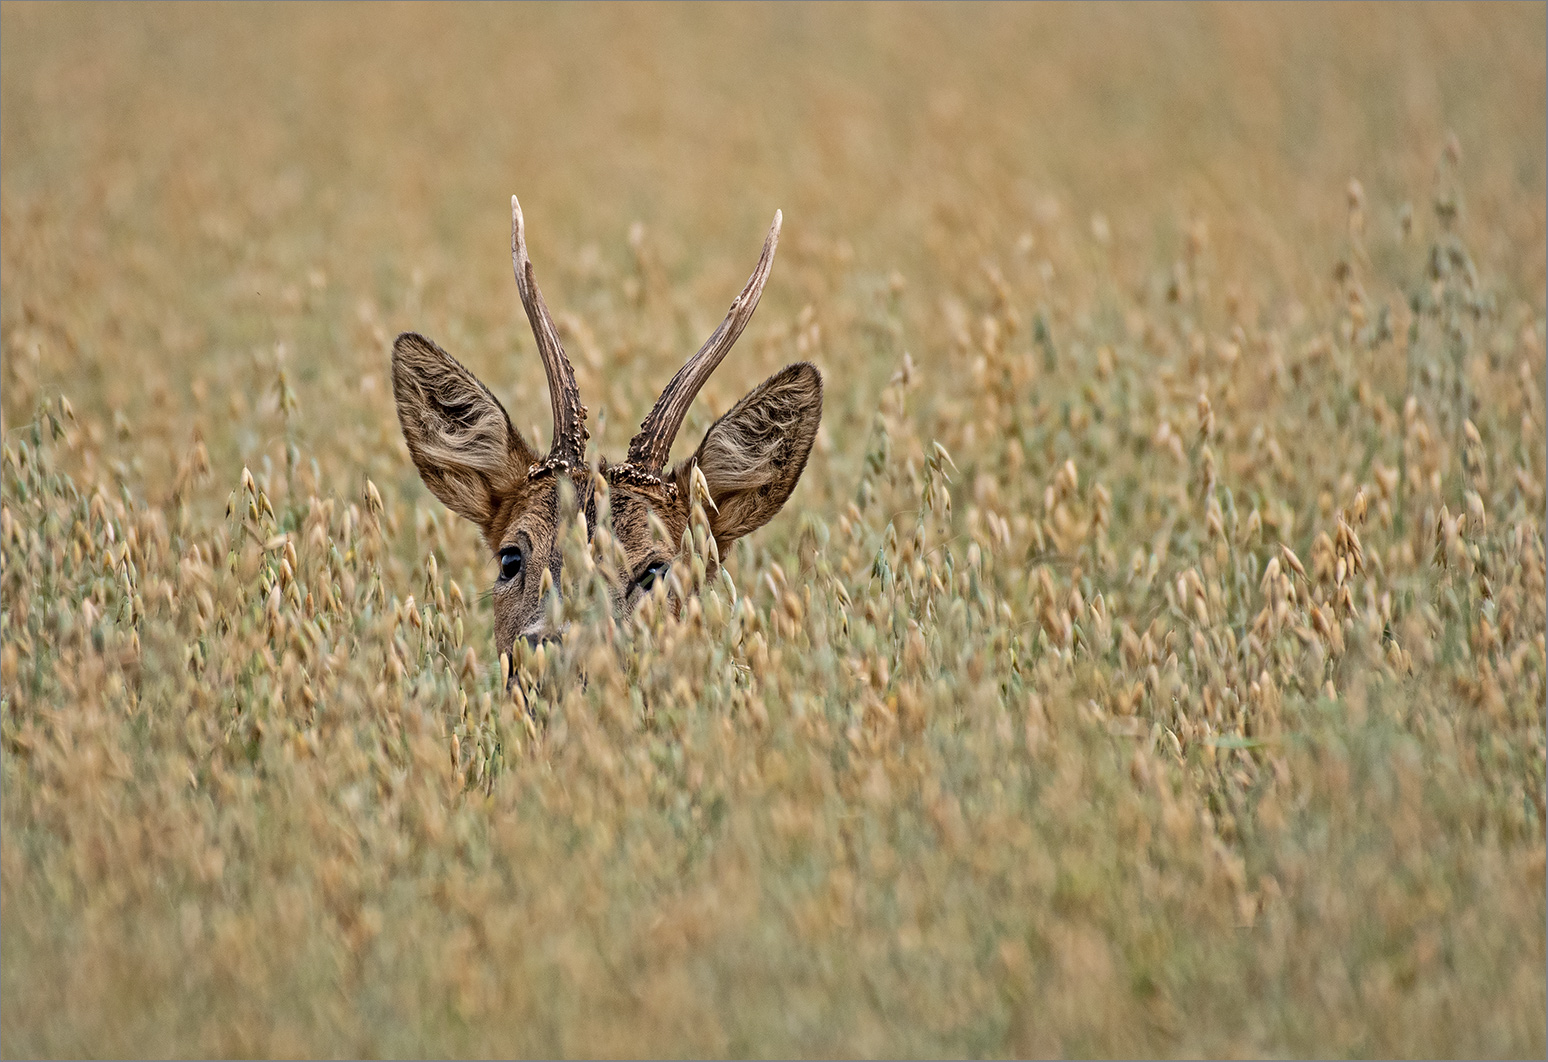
column 1150, row 661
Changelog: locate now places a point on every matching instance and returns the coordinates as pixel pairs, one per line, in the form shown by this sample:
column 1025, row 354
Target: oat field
column 1150, row 661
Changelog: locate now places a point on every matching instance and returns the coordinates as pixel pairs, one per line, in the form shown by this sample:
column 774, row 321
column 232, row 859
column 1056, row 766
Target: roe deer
column 474, row 460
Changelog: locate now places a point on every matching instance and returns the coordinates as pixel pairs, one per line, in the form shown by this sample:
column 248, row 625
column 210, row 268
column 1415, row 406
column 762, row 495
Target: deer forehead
column 530, row 515
column 632, row 525
column 530, row 510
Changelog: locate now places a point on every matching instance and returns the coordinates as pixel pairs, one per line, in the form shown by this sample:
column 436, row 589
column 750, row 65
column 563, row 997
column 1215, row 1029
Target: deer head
column 474, row 460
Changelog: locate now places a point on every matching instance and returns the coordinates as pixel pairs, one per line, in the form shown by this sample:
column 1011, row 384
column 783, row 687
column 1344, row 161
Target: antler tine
column 569, row 446
column 649, row 448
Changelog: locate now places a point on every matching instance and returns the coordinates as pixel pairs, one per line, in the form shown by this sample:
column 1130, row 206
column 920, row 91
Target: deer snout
column 534, row 639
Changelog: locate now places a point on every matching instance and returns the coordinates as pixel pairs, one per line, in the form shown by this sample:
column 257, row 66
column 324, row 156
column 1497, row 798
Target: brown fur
column 752, row 457
column 472, row 459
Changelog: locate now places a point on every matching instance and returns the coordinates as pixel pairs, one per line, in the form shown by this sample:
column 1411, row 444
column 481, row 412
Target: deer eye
column 511, row 562
column 652, row 572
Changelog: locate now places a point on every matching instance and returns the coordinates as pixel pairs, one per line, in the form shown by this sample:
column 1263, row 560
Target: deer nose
column 533, row 640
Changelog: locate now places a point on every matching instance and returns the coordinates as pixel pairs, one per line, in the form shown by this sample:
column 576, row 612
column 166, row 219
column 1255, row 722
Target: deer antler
column 569, row 447
column 648, row 450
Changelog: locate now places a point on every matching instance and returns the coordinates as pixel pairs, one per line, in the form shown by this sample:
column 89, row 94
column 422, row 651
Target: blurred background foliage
column 1151, row 659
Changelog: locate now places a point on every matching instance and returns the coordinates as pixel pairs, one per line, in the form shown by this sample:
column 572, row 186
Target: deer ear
column 459, row 435
column 752, row 457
